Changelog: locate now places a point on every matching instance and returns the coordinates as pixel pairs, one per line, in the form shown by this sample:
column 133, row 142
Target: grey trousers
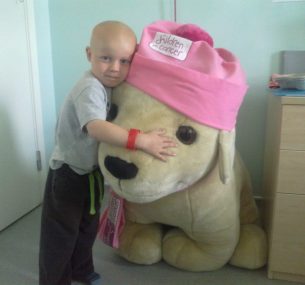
column 69, row 224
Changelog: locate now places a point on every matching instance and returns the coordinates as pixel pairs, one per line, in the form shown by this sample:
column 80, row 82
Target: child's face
column 110, row 61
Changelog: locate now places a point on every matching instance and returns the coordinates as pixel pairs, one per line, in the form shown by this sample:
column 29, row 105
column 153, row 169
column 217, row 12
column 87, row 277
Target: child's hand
column 156, row 143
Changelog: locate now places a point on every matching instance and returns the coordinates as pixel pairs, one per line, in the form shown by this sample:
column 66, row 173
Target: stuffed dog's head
column 139, row 177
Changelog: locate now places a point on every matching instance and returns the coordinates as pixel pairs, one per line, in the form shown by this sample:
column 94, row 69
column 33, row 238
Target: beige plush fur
column 195, row 211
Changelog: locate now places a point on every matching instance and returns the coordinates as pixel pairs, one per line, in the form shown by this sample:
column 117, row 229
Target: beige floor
column 19, row 251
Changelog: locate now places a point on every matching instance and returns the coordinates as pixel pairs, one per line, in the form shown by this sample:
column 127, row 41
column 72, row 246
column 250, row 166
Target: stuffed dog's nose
column 119, row 168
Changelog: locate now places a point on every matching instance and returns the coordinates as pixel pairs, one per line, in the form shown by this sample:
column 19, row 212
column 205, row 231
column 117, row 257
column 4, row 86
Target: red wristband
column 131, row 141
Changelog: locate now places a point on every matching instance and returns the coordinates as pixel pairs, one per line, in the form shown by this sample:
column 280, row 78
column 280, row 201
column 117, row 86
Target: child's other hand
column 156, row 143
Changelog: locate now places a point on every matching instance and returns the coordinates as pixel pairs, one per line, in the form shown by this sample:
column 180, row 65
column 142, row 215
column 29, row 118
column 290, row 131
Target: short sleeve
column 91, row 104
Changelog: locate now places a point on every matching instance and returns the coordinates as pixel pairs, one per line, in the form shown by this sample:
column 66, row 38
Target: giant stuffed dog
column 195, row 211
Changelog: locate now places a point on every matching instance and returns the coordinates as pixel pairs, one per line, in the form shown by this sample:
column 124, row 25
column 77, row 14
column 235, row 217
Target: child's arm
column 155, row 143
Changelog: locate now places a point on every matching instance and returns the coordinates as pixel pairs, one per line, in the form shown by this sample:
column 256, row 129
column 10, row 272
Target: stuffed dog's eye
column 113, row 112
column 186, row 134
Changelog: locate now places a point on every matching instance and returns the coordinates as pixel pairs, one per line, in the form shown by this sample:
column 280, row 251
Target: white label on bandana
column 171, row 45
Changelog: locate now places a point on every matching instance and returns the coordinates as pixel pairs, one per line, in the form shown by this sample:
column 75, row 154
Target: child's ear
column 88, row 52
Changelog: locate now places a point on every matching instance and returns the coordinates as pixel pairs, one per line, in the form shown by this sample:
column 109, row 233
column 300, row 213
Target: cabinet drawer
column 287, row 252
column 291, row 174
column 293, row 127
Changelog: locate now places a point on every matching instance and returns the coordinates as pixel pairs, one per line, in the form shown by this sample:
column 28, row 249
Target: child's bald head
column 112, row 46
column 111, row 33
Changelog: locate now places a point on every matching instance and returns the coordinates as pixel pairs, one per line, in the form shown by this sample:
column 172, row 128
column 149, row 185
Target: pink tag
column 112, row 221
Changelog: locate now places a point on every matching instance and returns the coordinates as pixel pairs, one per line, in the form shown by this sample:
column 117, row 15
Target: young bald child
column 70, row 212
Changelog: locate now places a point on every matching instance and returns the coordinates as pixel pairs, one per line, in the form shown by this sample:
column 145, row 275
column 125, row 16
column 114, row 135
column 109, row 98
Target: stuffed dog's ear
column 226, row 155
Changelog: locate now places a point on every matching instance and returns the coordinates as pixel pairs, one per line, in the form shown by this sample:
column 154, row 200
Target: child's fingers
column 167, row 153
column 164, row 154
column 170, row 154
column 160, row 131
column 169, row 143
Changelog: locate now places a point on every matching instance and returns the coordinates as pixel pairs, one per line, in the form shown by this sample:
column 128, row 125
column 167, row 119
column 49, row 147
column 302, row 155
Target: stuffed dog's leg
column 251, row 250
column 141, row 243
column 182, row 252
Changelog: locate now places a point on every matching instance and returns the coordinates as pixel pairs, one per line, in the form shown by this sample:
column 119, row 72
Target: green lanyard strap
column 95, row 175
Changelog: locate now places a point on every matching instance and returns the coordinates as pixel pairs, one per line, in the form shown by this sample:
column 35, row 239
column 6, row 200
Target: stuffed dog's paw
column 140, row 243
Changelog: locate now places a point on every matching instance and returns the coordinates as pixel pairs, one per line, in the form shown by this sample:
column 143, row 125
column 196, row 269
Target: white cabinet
column 284, row 187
